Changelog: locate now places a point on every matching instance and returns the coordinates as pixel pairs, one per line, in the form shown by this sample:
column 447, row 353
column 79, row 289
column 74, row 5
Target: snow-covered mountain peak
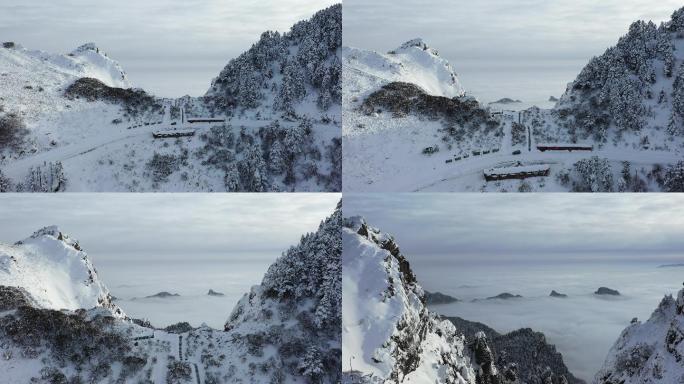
column 87, row 47
column 52, row 232
column 390, row 336
column 96, row 64
column 297, row 73
column 51, row 266
column 300, row 301
column 388, row 331
column 415, row 44
column 413, row 62
column 85, row 61
column 649, row 352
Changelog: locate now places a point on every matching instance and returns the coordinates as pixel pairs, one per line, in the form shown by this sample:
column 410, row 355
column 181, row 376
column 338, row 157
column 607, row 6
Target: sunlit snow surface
column 583, row 326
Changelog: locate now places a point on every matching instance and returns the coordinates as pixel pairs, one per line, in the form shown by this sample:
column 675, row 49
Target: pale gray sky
column 169, row 226
column 476, row 227
column 528, row 49
column 168, row 47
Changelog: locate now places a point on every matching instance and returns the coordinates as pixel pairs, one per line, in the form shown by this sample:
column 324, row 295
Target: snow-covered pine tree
column 232, row 178
column 48, row 177
column 5, row 183
column 593, row 175
column 674, row 178
column 277, row 159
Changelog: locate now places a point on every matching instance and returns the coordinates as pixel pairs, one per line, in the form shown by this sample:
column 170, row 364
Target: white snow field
column 101, row 139
column 632, row 117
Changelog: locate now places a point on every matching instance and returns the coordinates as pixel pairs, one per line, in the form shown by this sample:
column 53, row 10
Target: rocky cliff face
column 649, row 352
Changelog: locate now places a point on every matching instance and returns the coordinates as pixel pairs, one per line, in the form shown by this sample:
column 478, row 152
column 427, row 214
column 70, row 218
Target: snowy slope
column 55, row 271
column 387, row 125
column 291, row 322
column 651, row 351
column 33, row 84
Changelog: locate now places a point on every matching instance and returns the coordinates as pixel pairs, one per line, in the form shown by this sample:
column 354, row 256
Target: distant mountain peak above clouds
column 87, row 60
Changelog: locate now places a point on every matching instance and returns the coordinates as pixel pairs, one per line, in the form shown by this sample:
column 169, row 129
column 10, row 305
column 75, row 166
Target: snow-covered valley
column 408, row 124
column 59, row 322
column 270, row 121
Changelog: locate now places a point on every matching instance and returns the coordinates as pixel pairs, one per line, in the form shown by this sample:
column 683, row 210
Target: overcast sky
column 168, row 47
column 169, row 226
column 488, row 41
column 529, row 227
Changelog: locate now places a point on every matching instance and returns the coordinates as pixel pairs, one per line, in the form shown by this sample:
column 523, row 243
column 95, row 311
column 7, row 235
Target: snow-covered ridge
column 413, row 62
column 85, row 61
column 649, row 352
column 53, row 268
column 388, row 333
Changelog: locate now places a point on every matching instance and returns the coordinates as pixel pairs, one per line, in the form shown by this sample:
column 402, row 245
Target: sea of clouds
column 583, row 326
column 130, row 281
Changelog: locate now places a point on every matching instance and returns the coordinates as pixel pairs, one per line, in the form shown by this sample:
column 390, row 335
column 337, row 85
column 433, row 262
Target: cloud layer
column 495, row 227
column 169, row 226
